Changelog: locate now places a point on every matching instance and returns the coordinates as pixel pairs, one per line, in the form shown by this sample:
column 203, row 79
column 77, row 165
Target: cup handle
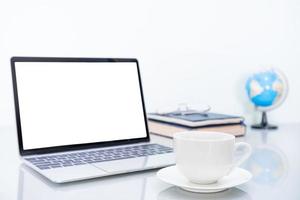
column 247, row 149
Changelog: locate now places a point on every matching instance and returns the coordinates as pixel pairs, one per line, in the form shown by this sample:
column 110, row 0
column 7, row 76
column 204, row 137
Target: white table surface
column 275, row 164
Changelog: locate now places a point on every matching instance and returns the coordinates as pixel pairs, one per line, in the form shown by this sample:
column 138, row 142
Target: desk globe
column 267, row 90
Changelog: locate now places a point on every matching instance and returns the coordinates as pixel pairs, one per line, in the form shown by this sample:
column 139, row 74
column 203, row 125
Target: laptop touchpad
column 123, row 165
column 135, row 164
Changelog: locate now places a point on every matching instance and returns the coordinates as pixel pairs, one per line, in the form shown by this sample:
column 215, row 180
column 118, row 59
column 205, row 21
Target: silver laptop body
column 82, row 118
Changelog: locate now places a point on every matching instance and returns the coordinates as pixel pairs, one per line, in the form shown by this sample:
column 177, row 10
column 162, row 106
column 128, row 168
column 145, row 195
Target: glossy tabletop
column 274, row 163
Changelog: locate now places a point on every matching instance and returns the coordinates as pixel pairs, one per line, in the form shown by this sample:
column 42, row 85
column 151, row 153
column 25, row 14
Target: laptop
column 82, row 118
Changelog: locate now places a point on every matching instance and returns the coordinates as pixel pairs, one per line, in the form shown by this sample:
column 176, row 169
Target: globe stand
column 264, row 123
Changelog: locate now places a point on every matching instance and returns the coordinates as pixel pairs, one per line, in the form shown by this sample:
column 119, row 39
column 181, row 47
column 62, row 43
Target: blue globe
column 267, row 89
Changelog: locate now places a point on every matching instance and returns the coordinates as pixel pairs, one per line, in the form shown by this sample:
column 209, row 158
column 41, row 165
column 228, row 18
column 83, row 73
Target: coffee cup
column 205, row 157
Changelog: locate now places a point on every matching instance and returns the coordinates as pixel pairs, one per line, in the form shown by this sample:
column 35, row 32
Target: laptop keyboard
column 88, row 157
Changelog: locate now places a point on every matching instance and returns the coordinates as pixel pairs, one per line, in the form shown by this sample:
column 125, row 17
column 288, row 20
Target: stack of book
column 170, row 123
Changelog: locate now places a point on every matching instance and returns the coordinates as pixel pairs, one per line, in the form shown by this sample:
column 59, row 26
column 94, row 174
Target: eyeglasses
column 184, row 109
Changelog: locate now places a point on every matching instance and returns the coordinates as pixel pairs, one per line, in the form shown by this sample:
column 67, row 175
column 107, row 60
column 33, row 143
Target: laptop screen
column 74, row 103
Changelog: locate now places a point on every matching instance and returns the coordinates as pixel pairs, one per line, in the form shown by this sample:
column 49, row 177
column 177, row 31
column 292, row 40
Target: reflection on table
column 33, row 186
column 179, row 194
column 267, row 163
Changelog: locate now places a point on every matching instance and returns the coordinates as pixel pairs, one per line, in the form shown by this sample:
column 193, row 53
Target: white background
column 75, row 103
column 189, row 50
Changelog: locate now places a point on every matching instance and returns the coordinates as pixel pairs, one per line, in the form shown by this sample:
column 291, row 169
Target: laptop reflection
column 33, row 186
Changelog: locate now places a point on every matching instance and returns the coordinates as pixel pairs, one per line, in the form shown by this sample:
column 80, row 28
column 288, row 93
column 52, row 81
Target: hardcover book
column 196, row 119
column 168, row 130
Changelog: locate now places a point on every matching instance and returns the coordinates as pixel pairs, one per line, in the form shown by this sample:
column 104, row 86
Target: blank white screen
column 75, row 103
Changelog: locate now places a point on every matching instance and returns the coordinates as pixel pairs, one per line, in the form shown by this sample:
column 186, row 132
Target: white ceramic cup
column 205, row 157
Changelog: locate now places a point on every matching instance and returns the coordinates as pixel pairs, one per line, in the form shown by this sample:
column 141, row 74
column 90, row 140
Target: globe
column 267, row 89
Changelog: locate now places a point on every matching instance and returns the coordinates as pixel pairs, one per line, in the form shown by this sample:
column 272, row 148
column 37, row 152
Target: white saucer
column 172, row 176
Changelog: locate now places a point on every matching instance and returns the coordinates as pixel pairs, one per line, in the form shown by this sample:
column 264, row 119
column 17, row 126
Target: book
column 196, row 119
column 168, row 130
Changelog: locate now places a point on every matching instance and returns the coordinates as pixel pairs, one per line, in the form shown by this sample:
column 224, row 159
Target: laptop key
column 90, row 161
column 67, row 165
column 42, row 168
column 79, row 163
column 41, row 163
column 56, row 166
column 30, row 159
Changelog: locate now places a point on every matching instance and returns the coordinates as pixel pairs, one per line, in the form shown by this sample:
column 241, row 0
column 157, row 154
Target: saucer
column 172, row 176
